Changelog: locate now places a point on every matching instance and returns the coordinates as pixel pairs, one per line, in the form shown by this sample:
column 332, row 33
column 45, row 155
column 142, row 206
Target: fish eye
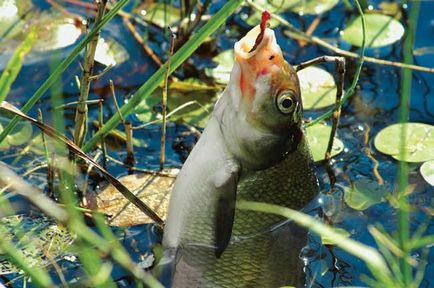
column 286, row 102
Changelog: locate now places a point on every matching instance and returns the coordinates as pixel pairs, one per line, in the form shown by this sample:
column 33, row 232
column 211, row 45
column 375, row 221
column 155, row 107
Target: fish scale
column 256, row 248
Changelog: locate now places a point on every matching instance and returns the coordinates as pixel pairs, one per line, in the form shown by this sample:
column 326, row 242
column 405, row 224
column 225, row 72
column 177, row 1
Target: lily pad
column 55, row 31
column 363, row 193
column 318, row 137
column 301, row 7
column 318, row 88
column 110, row 52
column 153, row 189
column 381, row 30
column 10, row 17
column 419, row 146
column 162, row 15
column 427, row 171
column 222, row 72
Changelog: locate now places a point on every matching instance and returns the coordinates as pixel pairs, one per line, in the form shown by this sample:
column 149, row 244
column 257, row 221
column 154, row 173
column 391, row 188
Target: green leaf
column 381, row 30
column 14, row 65
column 10, row 17
column 363, row 193
column 55, row 31
column 419, row 144
column 162, row 15
column 318, row 137
column 301, row 7
column 318, row 88
column 222, row 72
column 427, row 171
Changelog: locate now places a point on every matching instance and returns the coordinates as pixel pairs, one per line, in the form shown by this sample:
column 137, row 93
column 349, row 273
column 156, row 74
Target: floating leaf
column 55, row 31
column 363, row 193
column 145, row 111
column 318, row 138
column 301, row 7
column 162, row 15
column 195, row 97
column 381, row 30
column 110, row 52
column 10, row 19
column 153, row 189
column 419, row 145
column 21, row 134
column 222, row 72
column 116, row 139
column 427, row 171
column 318, row 88
column 326, row 240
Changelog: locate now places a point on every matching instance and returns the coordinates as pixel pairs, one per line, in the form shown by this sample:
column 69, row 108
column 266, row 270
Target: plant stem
column 164, row 102
column 403, row 211
column 89, row 60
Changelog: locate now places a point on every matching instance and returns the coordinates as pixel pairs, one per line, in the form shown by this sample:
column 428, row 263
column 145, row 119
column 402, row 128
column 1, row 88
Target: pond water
column 374, row 106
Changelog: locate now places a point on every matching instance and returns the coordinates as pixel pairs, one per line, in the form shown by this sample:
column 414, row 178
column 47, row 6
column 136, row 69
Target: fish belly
column 265, row 260
column 264, row 248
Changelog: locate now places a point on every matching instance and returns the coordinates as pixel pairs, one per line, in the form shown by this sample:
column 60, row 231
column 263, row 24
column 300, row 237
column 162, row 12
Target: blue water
column 374, row 105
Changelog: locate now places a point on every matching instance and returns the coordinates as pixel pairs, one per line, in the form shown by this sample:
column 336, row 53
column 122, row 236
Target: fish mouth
column 258, row 54
column 266, row 52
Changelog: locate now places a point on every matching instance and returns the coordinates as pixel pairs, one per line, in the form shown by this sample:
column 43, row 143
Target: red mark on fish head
column 265, row 17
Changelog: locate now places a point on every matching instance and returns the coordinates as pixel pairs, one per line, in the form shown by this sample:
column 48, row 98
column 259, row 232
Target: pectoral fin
column 226, row 183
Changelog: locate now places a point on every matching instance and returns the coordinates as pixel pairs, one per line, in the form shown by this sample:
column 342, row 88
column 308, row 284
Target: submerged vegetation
column 82, row 84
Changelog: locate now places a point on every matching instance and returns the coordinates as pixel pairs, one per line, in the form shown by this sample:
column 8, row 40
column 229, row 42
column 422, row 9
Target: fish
column 253, row 148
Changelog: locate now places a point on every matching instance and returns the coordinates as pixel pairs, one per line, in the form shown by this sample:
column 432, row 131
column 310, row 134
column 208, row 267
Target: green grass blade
column 62, row 67
column 157, row 78
column 403, row 213
column 14, row 65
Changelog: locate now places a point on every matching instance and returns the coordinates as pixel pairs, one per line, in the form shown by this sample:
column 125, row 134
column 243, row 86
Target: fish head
column 269, row 89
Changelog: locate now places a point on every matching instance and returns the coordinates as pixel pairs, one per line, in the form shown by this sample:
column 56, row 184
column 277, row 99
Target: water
column 375, row 106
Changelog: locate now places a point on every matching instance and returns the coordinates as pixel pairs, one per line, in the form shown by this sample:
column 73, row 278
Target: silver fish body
column 252, row 151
